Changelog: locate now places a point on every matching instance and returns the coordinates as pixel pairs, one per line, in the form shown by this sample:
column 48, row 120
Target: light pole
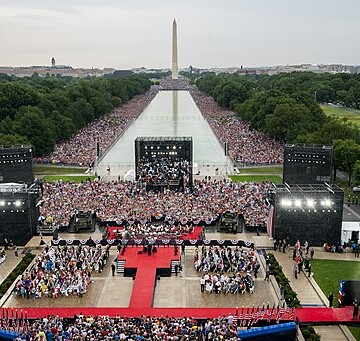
column 315, row 95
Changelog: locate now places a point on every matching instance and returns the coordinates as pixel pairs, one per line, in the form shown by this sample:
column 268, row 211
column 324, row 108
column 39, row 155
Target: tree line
column 286, row 107
column 45, row 111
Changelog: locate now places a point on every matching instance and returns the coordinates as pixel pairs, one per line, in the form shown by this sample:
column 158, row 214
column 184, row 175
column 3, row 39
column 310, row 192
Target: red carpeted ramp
column 144, row 286
column 305, row 315
column 113, row 230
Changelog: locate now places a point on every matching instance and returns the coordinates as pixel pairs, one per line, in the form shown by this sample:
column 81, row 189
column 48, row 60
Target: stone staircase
column 120, row 266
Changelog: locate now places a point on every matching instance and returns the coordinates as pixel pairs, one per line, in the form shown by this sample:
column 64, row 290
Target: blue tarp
column 269, row 330
column 7, row 335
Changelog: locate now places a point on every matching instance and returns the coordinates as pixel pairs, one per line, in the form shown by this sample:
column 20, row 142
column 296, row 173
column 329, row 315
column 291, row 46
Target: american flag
column 257, row 314
column 241, row 315
column 235, row 318
column 292, row 313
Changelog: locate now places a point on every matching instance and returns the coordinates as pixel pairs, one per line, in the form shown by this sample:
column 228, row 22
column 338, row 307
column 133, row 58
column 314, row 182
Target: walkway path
column 334, row 333
column 302, row 286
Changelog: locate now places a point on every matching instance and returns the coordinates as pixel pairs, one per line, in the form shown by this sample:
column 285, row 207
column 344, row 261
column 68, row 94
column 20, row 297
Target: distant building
column 54, row 70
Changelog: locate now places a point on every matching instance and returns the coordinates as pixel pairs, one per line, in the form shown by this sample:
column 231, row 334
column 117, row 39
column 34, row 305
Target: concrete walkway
column 334, row 333
column 302, row 286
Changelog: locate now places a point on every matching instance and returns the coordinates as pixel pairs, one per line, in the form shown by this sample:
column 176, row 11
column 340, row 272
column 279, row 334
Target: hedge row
column 309, row 334
column 289, row 294
column 19, row 269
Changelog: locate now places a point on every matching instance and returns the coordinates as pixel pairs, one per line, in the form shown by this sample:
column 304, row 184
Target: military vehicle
column 229, row 222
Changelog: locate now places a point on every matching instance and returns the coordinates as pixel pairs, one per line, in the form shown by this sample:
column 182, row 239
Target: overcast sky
column 211, row 33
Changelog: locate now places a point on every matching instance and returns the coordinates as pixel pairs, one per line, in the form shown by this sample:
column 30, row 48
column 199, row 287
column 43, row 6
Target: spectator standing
column 295, row 271
column 331, row 299
column 267, row 272
column 16, row 251
column 357, row 251
column 6, row 241
column 306, row 246
column 282, row 292
column 309, row 270
column 202, row 283
column 356, row 310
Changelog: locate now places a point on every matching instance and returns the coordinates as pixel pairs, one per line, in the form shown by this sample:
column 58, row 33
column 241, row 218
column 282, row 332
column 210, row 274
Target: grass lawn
column 54, row 170
column 356, row 332
column 328, row 274
column 277, row 179
column 265, row 170
column 351, row 115
column 67, row 178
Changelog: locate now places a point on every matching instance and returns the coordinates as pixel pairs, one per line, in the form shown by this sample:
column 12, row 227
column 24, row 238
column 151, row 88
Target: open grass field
column 54, row 170
column 67, row 178
column 277, row 179
column 328, row 273
column 351, row 115
column 278, row 170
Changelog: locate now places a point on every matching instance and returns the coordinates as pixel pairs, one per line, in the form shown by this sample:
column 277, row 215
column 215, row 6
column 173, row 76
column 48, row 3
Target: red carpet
column 143, row 290
column 306, row 315
column 112, row 231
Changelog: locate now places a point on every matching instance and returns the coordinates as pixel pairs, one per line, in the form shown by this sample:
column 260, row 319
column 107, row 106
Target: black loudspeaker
column 226, row 149
column 97, row 149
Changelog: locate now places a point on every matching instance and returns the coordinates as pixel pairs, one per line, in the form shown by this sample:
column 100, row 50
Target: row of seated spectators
column 80, row 149
column 220, row 261
column 162, row 170
column 62, row 271
column 245, row 145
column 100, row 328
column 124, row 201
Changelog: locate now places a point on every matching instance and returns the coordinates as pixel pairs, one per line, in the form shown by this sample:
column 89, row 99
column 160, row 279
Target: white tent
column 130, row 175
column 347, row 228
column 195, row 169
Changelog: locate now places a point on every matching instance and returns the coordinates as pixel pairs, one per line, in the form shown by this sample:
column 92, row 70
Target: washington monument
column 175, row 66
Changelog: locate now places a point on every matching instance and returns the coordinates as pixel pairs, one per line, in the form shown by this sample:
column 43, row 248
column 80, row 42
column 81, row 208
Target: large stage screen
column 311, row 213
column 307, row 164
column 16, row 164
column 164, row 162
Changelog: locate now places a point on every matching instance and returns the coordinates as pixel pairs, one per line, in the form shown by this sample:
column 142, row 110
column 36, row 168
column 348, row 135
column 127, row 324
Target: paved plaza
column 184, row 290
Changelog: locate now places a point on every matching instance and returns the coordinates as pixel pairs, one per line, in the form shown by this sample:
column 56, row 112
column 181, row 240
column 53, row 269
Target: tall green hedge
column 19, row 269
column 290, row 295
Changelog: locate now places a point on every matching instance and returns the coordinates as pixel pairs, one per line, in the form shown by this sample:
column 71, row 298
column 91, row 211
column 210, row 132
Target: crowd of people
column 121, row 202
column 99, row 328
column 226, row 270
column 245, row 146
column 162, row 170
column 80, row 150
column 301, row 259
column 62, row 271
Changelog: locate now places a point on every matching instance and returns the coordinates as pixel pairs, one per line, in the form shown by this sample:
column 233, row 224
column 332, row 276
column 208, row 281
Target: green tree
column 31, row 123
column 10, row 139
column 346, row 153
column 356, row 171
